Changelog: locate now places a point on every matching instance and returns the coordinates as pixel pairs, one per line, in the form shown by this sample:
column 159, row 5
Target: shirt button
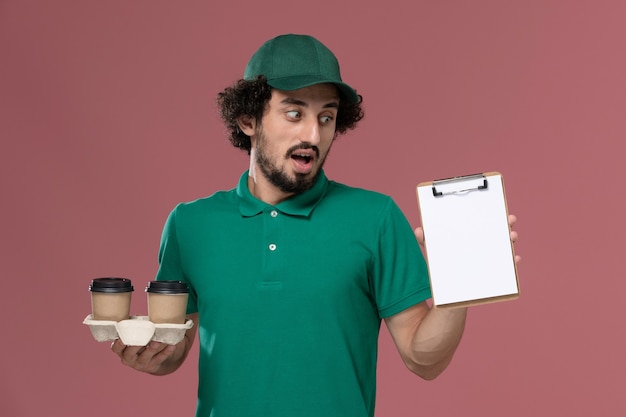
column 272, row 246
column 274, row 213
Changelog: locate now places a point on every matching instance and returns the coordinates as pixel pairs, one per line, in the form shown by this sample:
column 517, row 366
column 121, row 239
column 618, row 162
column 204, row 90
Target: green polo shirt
column 290, row 297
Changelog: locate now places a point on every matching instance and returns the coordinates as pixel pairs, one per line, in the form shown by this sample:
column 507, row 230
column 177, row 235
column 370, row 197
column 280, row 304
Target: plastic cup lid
column 167, row 287
column 111, row 285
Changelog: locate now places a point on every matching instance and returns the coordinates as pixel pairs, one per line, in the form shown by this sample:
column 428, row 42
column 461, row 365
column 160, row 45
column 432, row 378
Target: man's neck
column 262, row 189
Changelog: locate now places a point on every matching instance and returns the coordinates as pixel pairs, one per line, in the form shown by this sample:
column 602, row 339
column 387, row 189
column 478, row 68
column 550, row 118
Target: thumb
column 419, row 235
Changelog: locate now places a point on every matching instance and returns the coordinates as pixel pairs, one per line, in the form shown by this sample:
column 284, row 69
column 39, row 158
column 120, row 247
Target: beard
column 279, row 177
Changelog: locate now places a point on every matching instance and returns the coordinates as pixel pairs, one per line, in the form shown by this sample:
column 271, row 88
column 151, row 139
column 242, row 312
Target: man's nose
column 311, row 132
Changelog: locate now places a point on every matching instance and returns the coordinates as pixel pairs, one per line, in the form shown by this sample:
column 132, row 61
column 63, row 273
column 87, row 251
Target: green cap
column 291, row 62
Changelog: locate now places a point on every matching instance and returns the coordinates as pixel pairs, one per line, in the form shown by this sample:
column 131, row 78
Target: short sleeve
column 400, row 274
column 170, row 261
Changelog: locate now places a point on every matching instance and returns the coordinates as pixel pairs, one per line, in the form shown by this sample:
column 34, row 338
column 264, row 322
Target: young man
column 290, row 273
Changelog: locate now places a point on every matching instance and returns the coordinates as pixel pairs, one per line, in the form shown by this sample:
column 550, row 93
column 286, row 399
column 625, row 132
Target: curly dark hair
column 250, row 98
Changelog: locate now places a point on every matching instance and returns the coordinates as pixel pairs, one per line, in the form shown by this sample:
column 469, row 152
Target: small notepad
column 467, row 239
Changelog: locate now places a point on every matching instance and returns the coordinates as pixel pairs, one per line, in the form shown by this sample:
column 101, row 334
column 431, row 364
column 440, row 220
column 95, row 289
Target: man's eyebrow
column 294, row 101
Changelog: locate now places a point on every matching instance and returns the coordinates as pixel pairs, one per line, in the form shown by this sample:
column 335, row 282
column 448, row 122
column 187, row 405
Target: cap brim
column 295, row 83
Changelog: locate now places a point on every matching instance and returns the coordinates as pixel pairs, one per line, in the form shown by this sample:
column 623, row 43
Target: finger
column 117, row 346
column 130, row 354
column 165, row 353
column 514, row 236
column 153, row 356
column 147, row 355
column 512, row 220
column 419, row 235
column 122, row 350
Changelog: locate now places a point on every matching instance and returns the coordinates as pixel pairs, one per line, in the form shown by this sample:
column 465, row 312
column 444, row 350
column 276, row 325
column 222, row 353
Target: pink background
column 107, row 120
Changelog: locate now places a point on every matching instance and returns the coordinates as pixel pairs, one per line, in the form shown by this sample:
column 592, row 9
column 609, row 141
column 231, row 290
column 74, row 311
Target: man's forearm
column 436, row 340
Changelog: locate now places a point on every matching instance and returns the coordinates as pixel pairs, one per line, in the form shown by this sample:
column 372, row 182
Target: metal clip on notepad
column 449, row 181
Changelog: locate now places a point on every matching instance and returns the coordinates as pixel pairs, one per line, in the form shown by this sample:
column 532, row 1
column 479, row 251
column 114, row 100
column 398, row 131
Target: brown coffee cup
column 110, row 298
column 167, row 301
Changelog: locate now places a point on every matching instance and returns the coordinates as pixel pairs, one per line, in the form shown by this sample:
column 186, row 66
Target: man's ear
column 247, row 124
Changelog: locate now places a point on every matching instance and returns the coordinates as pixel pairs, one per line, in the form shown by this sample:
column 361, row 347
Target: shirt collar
column 299, row 205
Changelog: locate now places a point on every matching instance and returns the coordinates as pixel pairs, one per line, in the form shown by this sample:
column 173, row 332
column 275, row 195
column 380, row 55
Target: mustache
column 303, row 145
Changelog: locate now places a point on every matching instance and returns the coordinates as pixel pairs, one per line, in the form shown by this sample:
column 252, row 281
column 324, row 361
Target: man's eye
column 326, row 119
column 293, row 114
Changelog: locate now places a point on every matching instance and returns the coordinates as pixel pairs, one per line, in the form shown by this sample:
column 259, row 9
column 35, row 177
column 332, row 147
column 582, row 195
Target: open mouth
column 302, row 158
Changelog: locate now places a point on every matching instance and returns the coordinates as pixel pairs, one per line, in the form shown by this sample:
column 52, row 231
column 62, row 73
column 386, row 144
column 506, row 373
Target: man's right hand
column 147, row 358
column 157, row 358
